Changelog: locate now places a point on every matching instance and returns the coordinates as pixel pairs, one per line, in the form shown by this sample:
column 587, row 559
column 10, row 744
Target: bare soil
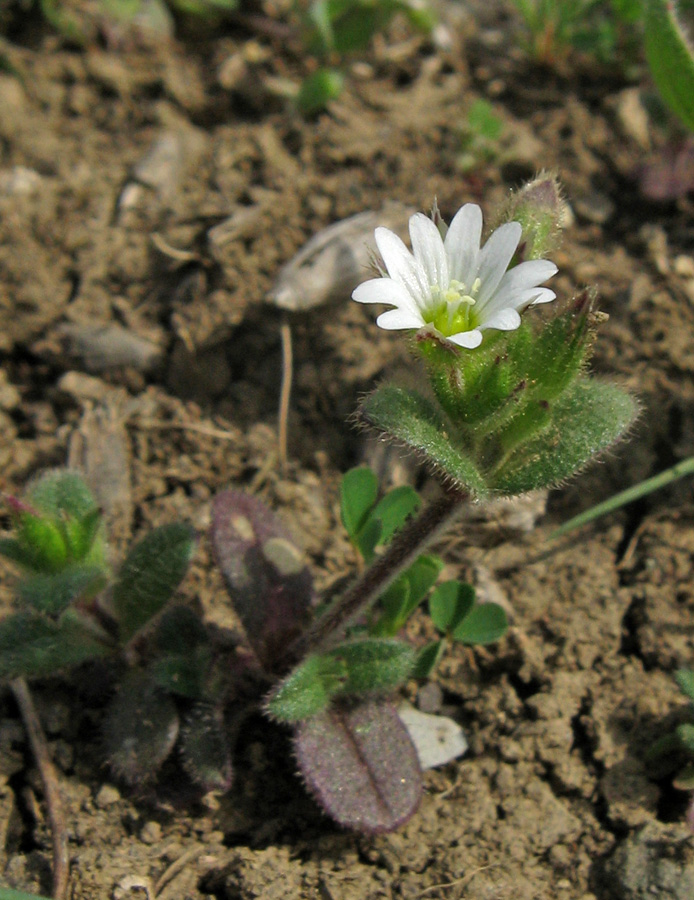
column 148, row 197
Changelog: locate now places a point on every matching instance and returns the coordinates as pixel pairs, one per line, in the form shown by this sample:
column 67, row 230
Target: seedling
column 678, row 746
column 508, row 408
column 592, row 26
column 334, row 30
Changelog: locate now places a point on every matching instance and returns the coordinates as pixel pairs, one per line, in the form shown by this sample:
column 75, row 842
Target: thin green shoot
column 642, row 489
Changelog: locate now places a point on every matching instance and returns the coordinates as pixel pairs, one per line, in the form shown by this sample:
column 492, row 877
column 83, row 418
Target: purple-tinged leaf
column 205, row 748
column 140, row 728
column 360, row 763
column 264, row 573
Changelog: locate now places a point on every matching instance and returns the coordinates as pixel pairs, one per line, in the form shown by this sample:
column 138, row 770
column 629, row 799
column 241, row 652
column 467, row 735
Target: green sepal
column 59, row 492
column 484, row 624
column 408, row 417
column 81, row 536
column 685, row 681
column 53, row 593
column 427, row 659
column 450, row 603
column 588, row 417
column 32, row 645
column 670, row 55
column 44, row 541
column 149, row 576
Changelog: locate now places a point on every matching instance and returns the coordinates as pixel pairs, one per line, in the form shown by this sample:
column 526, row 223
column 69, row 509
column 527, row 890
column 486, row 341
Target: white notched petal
column 384, row 290
column 503, row 320
column 467, row 339
column 428, row 249
column 525, row 275
column 401, row 265
column 463, row 243
column 544, row 295
column 494, row 259
column 395, row 319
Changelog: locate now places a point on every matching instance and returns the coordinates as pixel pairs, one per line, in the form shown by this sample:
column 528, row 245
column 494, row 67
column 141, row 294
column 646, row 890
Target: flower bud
column 540, row 209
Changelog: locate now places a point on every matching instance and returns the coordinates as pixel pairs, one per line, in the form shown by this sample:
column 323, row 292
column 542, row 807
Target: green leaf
column 409, row 418
column 32, row 645
column 60, row 492
column 589, row 417
column 685, row 680
column 450, row 603
column 394, row 509
column 368, row 539
column 18, row 553
column 484, row 624
column 319, row 89
column 670, row 54
column 427, row 659
column 149, row 576
column 373, row 665
column 307, row 690
column 358, row 494
column 10, row 894
column 53, row 593
column 405, row 594
column 180, row 631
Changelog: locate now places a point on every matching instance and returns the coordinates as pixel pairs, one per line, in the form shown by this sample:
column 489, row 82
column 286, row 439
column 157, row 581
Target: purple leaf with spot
column 361, row 765
column 264, row 573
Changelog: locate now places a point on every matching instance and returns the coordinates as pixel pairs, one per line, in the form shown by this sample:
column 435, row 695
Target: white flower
column 452, row 284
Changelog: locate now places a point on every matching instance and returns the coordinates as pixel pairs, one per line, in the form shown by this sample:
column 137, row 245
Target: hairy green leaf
column 409, row 418
column 152, row 571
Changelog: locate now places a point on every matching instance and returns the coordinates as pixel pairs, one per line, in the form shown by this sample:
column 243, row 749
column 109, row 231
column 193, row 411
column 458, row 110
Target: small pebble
column 107, row 796
column 151, row 833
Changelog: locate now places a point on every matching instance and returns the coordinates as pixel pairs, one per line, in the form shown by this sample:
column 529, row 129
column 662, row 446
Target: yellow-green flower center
column 451, row 309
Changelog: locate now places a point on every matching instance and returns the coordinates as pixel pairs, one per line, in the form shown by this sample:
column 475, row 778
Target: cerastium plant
column 502, row 405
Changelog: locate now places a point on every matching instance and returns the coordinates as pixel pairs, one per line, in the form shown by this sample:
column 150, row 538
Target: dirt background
column 149, row 194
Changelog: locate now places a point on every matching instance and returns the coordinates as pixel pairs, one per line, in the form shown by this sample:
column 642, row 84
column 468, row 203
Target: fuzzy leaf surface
column 54, row 593
column 61, row 491
column 588, row 418
column 32, row 645
column 409, row 418
column 361, row 765
column 205, row 748
column 152, row 571
column 264, row 573
column 140, row 728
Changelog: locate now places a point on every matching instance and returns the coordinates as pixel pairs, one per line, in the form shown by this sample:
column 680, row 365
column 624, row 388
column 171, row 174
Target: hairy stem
column 405, row 547
column 54, row 803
